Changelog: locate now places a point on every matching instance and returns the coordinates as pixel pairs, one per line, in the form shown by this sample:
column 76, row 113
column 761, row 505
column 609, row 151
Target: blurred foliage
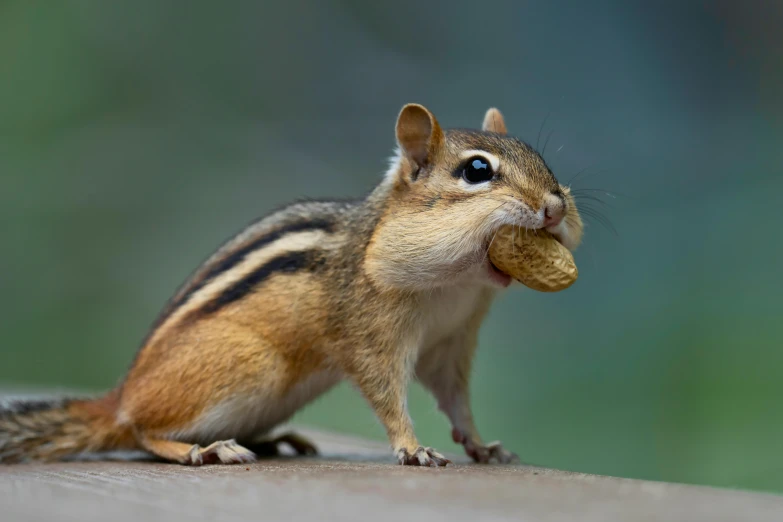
column 136, row 136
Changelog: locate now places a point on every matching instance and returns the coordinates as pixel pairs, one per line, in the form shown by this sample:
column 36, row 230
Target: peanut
column 534, row 258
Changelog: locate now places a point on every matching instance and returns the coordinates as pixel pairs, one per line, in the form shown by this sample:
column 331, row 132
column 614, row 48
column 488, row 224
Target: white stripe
column 491, row 158
column 394, row 166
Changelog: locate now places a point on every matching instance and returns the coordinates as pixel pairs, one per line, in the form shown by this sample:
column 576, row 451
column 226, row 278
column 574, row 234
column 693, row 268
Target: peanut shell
column 534, row 258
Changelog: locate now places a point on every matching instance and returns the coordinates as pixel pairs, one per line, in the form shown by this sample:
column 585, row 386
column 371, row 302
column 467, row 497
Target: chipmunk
column 377, row 291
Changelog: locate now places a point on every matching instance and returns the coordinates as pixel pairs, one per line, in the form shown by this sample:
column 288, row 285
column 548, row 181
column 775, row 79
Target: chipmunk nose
column 554, row 212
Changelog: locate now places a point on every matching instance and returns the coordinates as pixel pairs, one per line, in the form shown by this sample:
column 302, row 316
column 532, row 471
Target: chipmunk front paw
column 421, row 457
column 492, row 453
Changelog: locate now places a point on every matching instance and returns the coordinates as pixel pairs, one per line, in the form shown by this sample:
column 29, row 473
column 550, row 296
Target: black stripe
column 237, row 257
column 288, row 263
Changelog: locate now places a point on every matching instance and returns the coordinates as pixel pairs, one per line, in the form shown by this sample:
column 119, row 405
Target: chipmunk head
column 450, row 190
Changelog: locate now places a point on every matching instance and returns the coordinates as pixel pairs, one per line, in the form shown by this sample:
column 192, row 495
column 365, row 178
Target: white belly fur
column 250, row 416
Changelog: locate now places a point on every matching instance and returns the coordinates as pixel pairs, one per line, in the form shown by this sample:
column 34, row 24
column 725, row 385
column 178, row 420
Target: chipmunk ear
column 419, row 135
column 493, row 122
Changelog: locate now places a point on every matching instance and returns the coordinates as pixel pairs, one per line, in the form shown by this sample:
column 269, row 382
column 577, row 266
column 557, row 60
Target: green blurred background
column 136, row 136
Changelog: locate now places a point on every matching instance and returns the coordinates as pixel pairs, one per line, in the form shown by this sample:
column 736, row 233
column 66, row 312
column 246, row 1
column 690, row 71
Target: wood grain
column 355, row 480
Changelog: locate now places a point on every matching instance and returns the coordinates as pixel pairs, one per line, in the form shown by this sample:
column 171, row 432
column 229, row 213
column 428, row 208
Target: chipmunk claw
column 492, row 453
column 500, row 455
column 421, row 457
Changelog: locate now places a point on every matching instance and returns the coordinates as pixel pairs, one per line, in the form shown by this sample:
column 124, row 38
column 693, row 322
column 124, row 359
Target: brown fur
column 377, row 291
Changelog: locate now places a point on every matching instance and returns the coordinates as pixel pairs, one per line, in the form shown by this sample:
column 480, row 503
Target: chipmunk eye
column 477, row 170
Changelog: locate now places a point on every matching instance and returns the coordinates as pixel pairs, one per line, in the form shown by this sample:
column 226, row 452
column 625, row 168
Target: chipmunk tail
column 54, row 429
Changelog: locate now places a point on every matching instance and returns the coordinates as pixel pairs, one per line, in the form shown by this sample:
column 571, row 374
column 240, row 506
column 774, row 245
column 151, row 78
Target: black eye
column 477, row 170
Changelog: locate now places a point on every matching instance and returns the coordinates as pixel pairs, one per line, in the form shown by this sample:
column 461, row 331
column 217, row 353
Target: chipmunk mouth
column 496, row 275
column 558, row 233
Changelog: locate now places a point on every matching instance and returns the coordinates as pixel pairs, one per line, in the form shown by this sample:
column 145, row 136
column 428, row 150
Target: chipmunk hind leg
column 220, row 452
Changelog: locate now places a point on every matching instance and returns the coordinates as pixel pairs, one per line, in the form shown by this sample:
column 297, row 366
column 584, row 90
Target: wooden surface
column 355, row 480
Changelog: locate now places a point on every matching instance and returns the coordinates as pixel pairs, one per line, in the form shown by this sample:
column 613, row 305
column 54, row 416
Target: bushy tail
column 50, row 430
